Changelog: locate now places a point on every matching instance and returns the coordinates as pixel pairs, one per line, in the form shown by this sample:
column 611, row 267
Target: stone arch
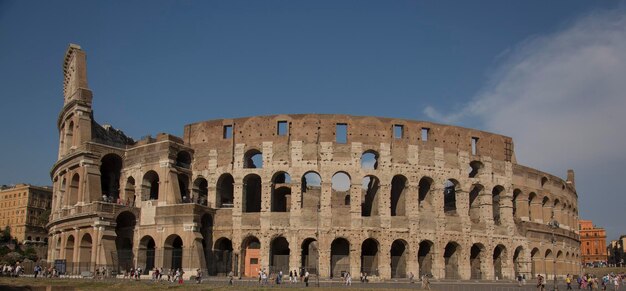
column 477, row 261
column 206, row 231
column 309, row 256
column 279, row 255
column 371, row 198
column 496, row 201
column 518, row 260
column 146, row 253
column 173, row 252
column 451, row 187
column 69, row 249
column 536, row 266
column 129, row 192
column 223, row 254
column 252, row 193
column 517, row 194
column 251, row 254
column 183, row 159
column 150, row 186
column 369, row 256
column 281, row 192
column 399, row 187
column 451, row 256
column 311, row 183
column 110, row 174
column 253, row 159
column 546, row 208
column 339, row 257
column 201, row 191
column 74, row 190
column 399, row 253
column 84, row 254
column 534, row 213
column 225, row 191
column 548, row 264
column 499, row 262
column 183, row 188
column 425, row 200
column 340, row 189
column 475, row 168
column 124, row 231
column 425, row 257
column 369, row 160
column 474, row 202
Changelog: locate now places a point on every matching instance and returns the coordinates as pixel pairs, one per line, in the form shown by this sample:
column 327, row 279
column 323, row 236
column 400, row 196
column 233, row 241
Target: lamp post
column 554, row 224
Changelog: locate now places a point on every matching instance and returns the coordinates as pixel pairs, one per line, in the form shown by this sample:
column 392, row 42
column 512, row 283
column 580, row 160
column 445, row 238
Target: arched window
column 253, row 159
column 449, row 196
column 110, row 172
column 399, row 185
column 252, row 193
column 225, row 188
column 150, row 186
column 183, row 159
column 495, row 202
column 475, row 168
column 281, row 192
column 369, row 160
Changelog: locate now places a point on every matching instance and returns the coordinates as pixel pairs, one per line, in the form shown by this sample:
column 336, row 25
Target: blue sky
column 156, row 66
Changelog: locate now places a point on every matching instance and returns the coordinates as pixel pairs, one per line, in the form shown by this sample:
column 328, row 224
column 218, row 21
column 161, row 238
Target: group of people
column 264, row 277
column 587, row 281
column 12, row 270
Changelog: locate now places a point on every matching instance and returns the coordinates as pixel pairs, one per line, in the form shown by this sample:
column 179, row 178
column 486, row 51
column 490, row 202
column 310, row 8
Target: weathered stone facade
column 330, row 193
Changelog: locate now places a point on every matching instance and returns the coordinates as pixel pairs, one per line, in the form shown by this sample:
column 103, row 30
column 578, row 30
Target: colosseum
column 326, row 193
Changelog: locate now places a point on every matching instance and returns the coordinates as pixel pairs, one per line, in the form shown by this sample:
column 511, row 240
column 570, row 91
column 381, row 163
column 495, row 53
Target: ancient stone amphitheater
column 326, row 193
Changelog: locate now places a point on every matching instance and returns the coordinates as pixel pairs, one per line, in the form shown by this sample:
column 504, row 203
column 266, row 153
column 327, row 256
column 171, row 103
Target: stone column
column 355, row 205
column 384, row 260
column 325, row 203
column 384, row 204
column 355, row 258
column 266, row 201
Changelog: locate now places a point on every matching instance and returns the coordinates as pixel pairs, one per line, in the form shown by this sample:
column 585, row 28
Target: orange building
column 592, row 242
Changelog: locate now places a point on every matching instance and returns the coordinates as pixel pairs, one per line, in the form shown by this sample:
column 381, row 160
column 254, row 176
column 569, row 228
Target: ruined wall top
column 317, row 128
column 74, row 71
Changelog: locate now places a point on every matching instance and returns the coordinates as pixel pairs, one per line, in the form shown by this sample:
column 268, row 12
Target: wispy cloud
column 561, row 96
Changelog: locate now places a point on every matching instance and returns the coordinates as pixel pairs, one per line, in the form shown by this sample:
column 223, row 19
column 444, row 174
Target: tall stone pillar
column 384, row 259
column 356, row 199
column 384, row 204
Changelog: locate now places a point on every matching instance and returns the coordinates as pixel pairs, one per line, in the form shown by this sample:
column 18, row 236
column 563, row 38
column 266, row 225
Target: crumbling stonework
column 329, row 193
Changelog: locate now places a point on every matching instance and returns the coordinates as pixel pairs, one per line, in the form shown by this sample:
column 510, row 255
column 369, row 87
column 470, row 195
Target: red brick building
column 592, row 242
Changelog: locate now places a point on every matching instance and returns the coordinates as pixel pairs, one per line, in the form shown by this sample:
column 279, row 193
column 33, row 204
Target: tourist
column 568, row 281
column 411, row 276
column 198, row 276
column 541, row 284
column 290, row 276
column 306, row 278
column 230, row 278
column 180, row 275
column 519, row 280
column 348, row 279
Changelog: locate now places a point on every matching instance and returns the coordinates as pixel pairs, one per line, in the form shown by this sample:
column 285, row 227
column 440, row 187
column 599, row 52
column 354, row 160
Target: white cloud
column 562, row 97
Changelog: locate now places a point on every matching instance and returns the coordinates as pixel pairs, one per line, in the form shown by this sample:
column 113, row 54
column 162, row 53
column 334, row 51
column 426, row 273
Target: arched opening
column 183, row 188
column 84, row 255
column 223, row 253
column 425, row 258
column 253, row 159
column 311, row 190
column 451, row 260
column 69, row 136
column 399, row 185
column 369, row 257
column 499, row 259
column 548, row 262
column 281, row 192
column 57, row 249
column 206, row 230
column 110, row 173
column 279, row 255
column 398, row 259
column 173, row 252
column 129, row 192
column 450, row 187
column 340, row 188
column 369, row 160
column 559, row 259
column 124, row 231
column 535, row 267
column 74, row 186
column 146, row 253
column 69, row 250
column 310, row 255
column 370, row 185
column 251, row 248
column 475, row 168
column 476, row 261
column 544, row 180
column 518, row 260
column 251, row 193
column 201, row 191
column 150, row 186
column 495, row 203
column 425, row 200
column 225, row 191
column 546, row 208
column 474, row 203
column 516, row 196
column 339, row 257
column 183, row 159
column 532, row 211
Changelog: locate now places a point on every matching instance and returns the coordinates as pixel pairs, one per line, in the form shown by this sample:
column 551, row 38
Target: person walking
column 540, row 283
column 568, row 281
column 411, row 276
column 306, row 278
column 348, row 279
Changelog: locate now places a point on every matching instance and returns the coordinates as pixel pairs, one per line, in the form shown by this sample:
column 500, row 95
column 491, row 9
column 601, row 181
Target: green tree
column 6, row 234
